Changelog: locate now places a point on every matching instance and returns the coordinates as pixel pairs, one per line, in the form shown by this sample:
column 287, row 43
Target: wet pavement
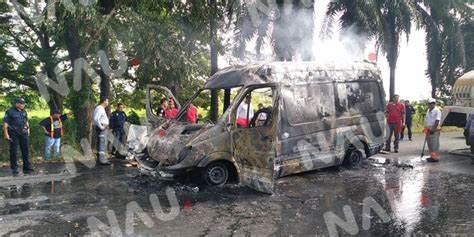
column 402, row 196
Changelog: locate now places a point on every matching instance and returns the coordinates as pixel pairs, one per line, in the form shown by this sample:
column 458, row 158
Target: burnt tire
column 353, row 158
column 216, row 174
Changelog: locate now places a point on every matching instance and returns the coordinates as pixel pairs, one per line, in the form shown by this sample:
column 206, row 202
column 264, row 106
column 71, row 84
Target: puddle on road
column 417, row 198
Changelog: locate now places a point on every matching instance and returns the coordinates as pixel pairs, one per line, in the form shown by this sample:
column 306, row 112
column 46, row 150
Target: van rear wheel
column 216, row 174
column 353, row 158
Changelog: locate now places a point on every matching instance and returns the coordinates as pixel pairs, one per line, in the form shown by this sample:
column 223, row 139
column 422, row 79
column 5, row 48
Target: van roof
column 241, row 75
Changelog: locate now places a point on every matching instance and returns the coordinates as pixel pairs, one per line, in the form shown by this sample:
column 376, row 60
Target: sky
column 411, row 81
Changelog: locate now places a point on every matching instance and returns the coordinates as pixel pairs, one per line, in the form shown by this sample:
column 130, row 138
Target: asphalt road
column 403, row 196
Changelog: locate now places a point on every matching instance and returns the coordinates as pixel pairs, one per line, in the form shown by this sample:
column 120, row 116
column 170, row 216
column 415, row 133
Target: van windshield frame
column 222, row 119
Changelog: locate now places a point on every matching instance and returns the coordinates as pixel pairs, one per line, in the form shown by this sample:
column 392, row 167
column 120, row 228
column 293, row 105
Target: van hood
column 172, row 138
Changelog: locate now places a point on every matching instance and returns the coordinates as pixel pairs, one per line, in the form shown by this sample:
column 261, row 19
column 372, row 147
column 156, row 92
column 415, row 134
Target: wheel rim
column 355, row 157
column 217, row 174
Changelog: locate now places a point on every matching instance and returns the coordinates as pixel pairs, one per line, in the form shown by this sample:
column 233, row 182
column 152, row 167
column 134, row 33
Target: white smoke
column 342, row 46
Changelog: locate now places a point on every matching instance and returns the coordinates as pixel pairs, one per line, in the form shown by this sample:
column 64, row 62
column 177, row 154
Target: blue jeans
column 101, row 143
column 51, row 142
column 389, row 138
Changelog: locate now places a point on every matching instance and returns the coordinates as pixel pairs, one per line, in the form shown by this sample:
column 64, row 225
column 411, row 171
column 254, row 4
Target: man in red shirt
column 396, row 120
column 171, row 110
column 191, row 114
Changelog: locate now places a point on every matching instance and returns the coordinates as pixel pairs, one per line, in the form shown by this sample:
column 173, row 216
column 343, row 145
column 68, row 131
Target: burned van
column 285, row 118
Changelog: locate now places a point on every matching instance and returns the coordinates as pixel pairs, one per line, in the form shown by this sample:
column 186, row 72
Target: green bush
column 133, row 118
column 33, row 100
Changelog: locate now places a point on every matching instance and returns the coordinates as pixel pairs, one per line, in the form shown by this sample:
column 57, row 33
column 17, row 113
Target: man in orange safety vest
column 53, row 130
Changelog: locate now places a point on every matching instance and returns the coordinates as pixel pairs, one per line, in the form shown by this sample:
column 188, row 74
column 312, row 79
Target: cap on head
column 431, row 101
column 20, row 101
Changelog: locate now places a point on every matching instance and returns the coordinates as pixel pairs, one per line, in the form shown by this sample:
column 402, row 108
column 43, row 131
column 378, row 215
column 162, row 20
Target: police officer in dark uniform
column 16, row 130
column 117, row 122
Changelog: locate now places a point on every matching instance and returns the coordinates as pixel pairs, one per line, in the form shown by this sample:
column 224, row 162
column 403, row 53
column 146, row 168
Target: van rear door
column 253, row 140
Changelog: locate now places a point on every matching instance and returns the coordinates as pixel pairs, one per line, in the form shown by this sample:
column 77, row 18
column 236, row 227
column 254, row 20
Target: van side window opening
column 256, row 109
column 155, row 101
column 355, row 98
column 309, row 103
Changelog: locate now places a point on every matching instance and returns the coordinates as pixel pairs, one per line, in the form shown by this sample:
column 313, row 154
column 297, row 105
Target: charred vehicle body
column 286, row 118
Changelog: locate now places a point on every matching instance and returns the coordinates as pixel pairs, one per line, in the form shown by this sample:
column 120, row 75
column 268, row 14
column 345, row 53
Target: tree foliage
column 447, row 26
column 168, row 37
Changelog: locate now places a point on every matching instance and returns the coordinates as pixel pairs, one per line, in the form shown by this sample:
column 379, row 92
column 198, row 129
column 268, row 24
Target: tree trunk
column 81, row 103
column 392, row 80
column 214, row 66
column 105, row 87
column 56, row 102
column 226, row 99
column 435, row 83
column 104, row 84
column 433, row 91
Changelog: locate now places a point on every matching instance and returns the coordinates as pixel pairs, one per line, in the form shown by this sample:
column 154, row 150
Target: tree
column 214, row 58
column 35, row 45
column 41, row 34
column 446, row 24
column 385, row 21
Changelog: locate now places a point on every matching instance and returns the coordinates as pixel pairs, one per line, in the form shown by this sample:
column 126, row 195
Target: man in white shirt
column 101, row 122
column 432, row 130
column 243, row 111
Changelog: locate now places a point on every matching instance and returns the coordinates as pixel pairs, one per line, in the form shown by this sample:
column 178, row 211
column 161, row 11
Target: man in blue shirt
column 409, row 112
column 16, row 130
column 117, row 122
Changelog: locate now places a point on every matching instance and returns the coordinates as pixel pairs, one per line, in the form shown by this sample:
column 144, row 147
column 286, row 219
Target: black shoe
column 410, row 139
column 29, row 169
column 431, row 160
column 396, row 151
column 15, row 171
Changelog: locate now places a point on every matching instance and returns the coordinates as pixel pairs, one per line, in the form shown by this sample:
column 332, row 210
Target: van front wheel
column 353, row 157
column 216, row 174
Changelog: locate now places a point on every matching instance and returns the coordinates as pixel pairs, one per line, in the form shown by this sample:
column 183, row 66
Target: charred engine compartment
column 166, row 146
